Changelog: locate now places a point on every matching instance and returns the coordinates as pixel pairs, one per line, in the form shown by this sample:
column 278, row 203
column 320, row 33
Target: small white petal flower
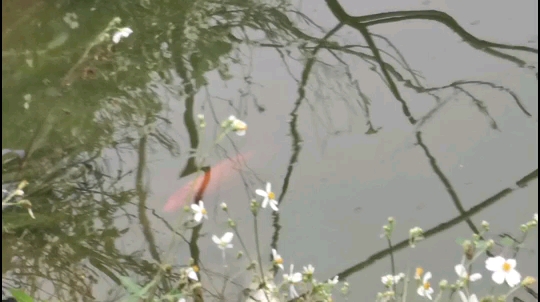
column 278, row 261
column 461, row 271
column 309, row 270
column 390, row 280
column 121, row 33
column 225, row 241
column 224, row 206
column 387, row 280
column 199, row 211
column 292, row 277
column 334, row 280
column 192, row 274
column 238, row 126
column 503, row 270
column 269, row 197
column 464, row 298
column 425, row 289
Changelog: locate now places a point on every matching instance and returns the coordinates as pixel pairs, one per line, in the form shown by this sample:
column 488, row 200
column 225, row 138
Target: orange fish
column 220, row 174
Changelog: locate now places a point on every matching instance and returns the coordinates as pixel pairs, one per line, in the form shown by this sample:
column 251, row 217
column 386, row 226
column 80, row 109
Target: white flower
column 269, row 197
column 390, row 280
column 535, row 217
column 461, row 271
column 121, row 33
column 464, row 298
column 199, row 211
column 225, row 241
column 238, row 126
column 261, row 296
column 334, row 280
column 503, row 269
column 292, row 278
column 278, row 261
column 309, row 270
column 192, row 274
column 425, row 289
column 223, row 206
column 181, row 300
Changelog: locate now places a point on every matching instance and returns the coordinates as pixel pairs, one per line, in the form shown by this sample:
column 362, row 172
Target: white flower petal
column 461, row 271
column 195, row 207
column 513, row 278
column 198, row 217
column 427, row 276
column 296, row 277
column 429, row 292
column 193, row 275
column 216, row 239
column 268, row 187
column 494, row 263
column 261, row 193
column 498, row 277
column 420, row 291
column 292, row 292
column 116, row 37
column 229, row 246
column 265, row 202
column 473, row 298
column 273, row 205
column 475, row 277
column 227, row 237
column 463, row 297
column 240, row 132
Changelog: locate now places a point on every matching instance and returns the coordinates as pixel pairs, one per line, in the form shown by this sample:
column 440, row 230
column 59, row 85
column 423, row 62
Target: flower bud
column 528, row 281
column 485, row 225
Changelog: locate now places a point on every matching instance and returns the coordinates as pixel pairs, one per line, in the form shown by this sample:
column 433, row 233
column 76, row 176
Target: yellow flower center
column 271, row 195
column 427, row 285
column 195, row 268
column 203, row 211
column 419, row 272
column 278, row 260
column 506, row 267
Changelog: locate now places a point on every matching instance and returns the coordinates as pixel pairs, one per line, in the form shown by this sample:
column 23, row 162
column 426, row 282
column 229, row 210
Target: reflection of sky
column 346, row 185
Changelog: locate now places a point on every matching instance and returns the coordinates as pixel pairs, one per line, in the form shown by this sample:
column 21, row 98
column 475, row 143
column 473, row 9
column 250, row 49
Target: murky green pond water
column 355, row 112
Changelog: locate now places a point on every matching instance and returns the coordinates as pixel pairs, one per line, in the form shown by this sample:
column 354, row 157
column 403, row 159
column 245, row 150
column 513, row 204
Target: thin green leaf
column 130, row 286
column 21, row 296
column 507, row 241
column 145, row 289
